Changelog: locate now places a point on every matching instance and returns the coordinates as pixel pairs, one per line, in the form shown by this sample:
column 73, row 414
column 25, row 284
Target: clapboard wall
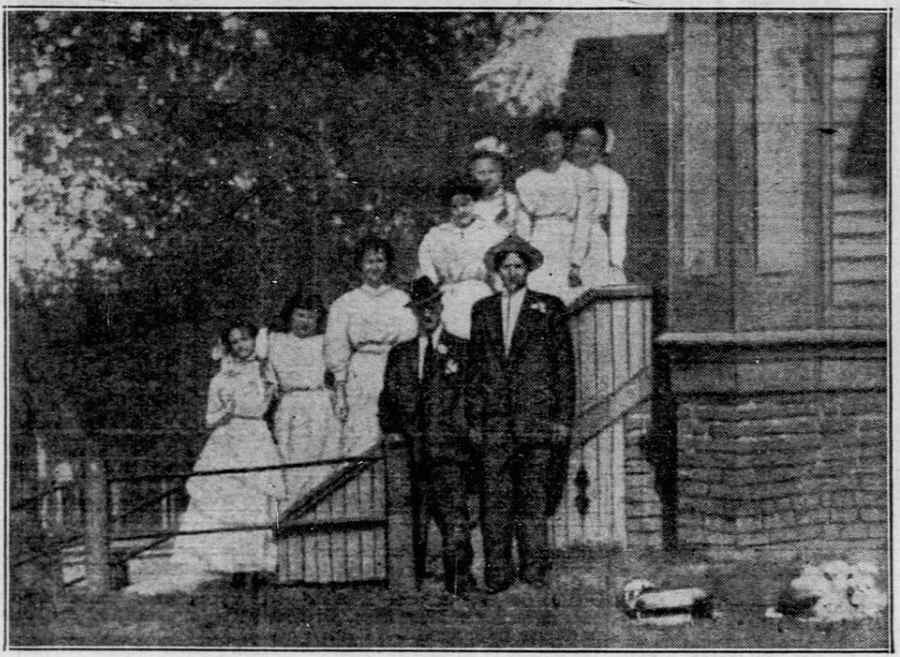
column 777, row 316
column 858, row 226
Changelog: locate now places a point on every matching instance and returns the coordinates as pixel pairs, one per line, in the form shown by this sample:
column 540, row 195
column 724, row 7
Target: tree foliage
column 169, row 169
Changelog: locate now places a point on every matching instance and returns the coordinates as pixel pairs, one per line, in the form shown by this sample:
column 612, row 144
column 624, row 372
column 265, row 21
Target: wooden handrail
column 610, row 293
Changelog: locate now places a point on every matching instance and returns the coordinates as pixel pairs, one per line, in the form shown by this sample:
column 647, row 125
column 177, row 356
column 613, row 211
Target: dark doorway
column 624, row 81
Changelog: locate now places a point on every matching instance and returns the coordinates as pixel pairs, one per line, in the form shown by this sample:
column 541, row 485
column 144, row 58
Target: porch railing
column 612, row 331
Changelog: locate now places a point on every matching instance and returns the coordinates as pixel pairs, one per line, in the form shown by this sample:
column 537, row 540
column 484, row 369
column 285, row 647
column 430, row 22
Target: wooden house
column 734, row 397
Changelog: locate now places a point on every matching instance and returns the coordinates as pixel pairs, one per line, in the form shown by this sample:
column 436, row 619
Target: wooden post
column 401, row 559
column 95, row 525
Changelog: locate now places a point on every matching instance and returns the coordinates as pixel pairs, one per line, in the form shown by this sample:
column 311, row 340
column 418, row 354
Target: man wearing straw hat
column 520, row 399
column 422, row 403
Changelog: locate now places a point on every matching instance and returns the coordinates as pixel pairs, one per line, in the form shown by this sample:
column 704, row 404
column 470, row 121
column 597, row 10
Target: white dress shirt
column 511, row 306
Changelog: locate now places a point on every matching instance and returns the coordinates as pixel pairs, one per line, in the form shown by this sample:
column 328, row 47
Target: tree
column 171, row 169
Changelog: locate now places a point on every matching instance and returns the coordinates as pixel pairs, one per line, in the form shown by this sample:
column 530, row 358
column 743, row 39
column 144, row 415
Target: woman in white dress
column 494, row 203
column 452, row 255
column 609, row 206
column 239, row 396
column 305, row 426
column 555, row 197
column 363, row 325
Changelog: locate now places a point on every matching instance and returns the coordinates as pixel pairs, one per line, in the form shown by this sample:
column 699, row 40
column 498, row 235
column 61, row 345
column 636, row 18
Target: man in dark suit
column 519, row 403
column 422, row 402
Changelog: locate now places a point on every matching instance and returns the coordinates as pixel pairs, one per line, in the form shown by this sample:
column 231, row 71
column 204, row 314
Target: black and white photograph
column 405, row 327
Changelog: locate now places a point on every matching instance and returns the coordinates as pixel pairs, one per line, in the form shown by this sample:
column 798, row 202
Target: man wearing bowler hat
column 422, row 403
column 520, row 400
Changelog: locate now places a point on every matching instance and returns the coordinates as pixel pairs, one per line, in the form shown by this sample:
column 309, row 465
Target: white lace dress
column 217, row 502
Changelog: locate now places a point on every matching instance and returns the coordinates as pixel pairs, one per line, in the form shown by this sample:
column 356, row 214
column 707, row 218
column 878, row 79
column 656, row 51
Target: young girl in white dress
column 305, row 427
column 494, row 203
column 239, row 396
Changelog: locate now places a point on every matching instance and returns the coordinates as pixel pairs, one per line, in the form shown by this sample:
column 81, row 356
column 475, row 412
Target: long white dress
column 305, row 426
column 608, row 204
column 363, row 325
column 228, row 500
column 557, row 205
column 453, row 258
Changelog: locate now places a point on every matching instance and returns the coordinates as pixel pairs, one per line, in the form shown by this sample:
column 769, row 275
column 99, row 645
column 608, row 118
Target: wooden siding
column 858, row 230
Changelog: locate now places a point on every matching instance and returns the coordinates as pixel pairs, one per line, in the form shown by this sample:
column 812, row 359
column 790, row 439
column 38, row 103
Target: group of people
column 472, row 367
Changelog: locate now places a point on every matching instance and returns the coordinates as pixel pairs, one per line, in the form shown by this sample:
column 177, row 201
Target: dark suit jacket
column 439, row 419
column 532, row 387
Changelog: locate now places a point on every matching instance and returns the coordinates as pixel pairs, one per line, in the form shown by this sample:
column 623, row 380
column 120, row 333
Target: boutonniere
column 442, row 349
column 540, row 306
column 452, row 366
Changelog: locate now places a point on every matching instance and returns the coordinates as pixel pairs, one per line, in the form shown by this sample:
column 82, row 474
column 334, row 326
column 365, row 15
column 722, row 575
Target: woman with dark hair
column 305, row 426
column 452, row 255
column 487, row 167
column 363, row 325
column 608, row 214
column 554, row 196
column 239, row 396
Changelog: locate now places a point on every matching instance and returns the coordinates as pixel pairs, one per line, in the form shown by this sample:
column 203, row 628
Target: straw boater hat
column 423, row 292
column 513, row 244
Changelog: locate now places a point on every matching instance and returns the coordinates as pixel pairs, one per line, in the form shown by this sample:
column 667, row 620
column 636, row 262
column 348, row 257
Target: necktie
column 428, row 365
column 508, row 328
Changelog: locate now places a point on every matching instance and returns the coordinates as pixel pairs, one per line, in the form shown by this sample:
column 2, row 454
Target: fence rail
column 364, row 510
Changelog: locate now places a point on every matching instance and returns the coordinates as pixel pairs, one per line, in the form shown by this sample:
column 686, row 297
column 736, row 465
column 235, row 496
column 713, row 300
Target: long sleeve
column 427, row 257
column 585, row 190
column 564, row 386
column 527, row 201
column 215, row 402
column 618, row 220
column 337, row 347
column 519, row 221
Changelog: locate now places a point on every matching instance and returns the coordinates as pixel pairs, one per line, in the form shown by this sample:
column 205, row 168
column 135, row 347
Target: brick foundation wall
column 805, row 471
column 643, row 510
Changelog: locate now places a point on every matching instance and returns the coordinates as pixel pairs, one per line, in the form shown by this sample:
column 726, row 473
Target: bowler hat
column 513, row 244
column 422, row 292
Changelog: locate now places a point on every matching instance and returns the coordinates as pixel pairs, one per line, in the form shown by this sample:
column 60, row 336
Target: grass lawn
column 578, row 610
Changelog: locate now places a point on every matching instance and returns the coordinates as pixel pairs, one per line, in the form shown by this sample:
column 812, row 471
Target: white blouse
column 366, row 319
column 242, row 383
column 297, row 362
column 564, row 194
column 449, row 254
column 503, row 209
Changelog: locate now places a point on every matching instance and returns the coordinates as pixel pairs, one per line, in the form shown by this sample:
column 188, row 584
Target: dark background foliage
column 265, row 145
